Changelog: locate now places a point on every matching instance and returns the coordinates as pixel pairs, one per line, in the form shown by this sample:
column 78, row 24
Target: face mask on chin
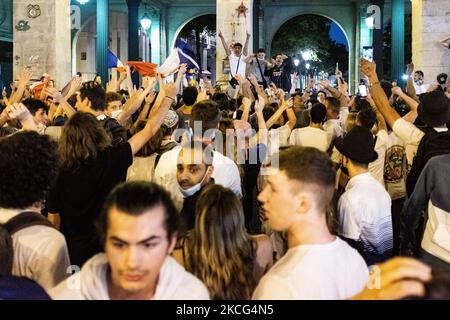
column 116, row 113
column 194, row 189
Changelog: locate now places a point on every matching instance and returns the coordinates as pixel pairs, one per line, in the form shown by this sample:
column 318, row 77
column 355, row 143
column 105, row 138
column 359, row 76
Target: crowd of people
column 233, row 192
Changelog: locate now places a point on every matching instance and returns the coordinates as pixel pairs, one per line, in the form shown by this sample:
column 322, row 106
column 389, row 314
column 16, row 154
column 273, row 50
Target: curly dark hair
column 96, row 95
column 28, row 168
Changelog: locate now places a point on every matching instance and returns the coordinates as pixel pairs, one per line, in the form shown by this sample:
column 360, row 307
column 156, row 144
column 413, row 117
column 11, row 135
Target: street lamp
column 296, row 62
column 370, row 22
column 308, row 66
column 146, row 22
column 82, row 1
column 306, row 55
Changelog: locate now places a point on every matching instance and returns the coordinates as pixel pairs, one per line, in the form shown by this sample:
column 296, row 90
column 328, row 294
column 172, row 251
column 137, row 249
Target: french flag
column 114, row 62
column 186, row 54
column 182, row 53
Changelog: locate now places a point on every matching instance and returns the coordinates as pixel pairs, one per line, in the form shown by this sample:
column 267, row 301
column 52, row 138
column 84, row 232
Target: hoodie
column 174, row 283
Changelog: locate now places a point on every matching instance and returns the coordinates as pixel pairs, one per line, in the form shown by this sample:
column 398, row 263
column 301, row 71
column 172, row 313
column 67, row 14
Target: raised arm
column 129, row 81
column 381, row 122
column 410, row 102
column 245, row 50
column 224, row 43
column 335, row 93
column 58, row 98
column 156, row 119
column 20, row 112
column 246, row 102
column 25, row 77
column 285, row 106
column 410, row 89
column 369, row 69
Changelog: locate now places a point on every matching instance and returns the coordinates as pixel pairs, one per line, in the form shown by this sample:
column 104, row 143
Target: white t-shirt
column 321, row 272
column 277, row 138
column 234, row 61
column 395, row 169
column 365, row 214
column 226, row 173
column 376, row 168
column 333, row 127
column 411, row 136
column 310, row 137
column 422, row 88
column 40, row 253
column 174, row 283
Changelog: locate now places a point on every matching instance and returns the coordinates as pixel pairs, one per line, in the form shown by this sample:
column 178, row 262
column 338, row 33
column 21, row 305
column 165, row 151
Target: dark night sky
column 337, row 34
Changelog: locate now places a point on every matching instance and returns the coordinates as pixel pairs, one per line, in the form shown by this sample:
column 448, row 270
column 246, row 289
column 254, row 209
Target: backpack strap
column 26, row 220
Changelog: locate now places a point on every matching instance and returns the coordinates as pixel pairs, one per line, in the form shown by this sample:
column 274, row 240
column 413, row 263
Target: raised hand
column 18, row 111
column 288, row 104
column 410, row 69
column 325, row 83
column 183, row 68
column 252, row 79
column 150, row 97
column 55, row 94
column 397, row 91
column 259, row 105
column 396, row 279
column 171, row 90
column 368, row 68
column 25, row 76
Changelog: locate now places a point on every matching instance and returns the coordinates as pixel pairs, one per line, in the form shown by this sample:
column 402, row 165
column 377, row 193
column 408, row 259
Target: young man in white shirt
column 365, row 207
column 333, row 123
column 237, row 55
column 205, row 120
column 27, row 170
column 314, row 135
column 317, row 265
column 138, row 228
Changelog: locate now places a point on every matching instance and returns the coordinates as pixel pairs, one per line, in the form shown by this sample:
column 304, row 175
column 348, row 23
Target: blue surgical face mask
column 194, row 189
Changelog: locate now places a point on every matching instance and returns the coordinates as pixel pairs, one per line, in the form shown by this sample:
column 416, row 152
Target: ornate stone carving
column 22, row 25
column 33, row 11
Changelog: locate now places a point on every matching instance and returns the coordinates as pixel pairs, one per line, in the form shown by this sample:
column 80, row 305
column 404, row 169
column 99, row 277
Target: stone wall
column 233, row 29
column 48, row 37
column 431, row 23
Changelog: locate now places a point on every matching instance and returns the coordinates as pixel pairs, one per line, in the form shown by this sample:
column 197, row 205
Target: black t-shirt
column 117, row 133
column 78, row 197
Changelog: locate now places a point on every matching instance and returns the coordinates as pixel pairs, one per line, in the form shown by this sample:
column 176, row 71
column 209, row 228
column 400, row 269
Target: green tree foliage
column 311, row 32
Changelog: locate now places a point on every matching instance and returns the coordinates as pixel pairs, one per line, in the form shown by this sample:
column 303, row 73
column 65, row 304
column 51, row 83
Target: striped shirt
column 365, row 217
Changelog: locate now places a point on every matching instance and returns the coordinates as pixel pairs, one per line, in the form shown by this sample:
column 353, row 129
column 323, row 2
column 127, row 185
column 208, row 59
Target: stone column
column 398, row 41
column 102, row 39
column 430, row 23
column 378, row 39
column 45, row 34
column 233, row 29
column 133, row 34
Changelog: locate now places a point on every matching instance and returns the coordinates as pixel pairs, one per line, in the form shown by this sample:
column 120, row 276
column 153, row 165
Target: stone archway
column 344, row 14
column 325, row 56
